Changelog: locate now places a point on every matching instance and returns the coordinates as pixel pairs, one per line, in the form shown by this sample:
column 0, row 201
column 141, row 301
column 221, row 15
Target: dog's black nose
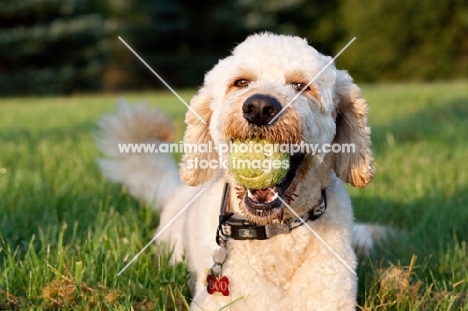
column 260, row 109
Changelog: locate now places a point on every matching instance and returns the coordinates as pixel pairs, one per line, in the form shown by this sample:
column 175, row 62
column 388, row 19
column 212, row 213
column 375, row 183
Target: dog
column 246, row 248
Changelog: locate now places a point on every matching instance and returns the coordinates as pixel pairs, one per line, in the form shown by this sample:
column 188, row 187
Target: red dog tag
column 217, row 285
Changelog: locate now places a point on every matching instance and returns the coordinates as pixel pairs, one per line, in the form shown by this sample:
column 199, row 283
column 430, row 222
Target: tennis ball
column 256, row 165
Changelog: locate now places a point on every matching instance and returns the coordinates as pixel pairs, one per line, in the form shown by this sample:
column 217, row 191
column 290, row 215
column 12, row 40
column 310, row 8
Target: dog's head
column 254, row 94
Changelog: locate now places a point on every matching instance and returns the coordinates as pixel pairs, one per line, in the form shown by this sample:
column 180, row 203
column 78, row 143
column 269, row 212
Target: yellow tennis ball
column 257, row 164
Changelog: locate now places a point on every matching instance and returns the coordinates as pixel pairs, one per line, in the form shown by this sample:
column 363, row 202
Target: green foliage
column 317, row 21
column 405, row 40
column 396, row 40
column 181, row 40
column 50, row 46
column 64, row 46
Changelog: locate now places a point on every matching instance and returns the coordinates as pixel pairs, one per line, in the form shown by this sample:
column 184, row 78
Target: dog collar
column 238, row 228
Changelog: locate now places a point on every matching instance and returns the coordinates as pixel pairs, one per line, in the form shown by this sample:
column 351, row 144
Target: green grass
column 65, row 231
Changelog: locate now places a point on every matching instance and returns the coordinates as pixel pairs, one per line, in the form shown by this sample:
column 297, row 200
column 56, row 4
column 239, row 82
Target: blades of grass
column 231, row 303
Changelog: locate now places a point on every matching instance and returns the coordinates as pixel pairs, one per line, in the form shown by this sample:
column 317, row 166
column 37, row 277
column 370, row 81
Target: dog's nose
column 260, row 109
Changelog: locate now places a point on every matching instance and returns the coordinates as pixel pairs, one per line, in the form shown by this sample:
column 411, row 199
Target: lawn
column 65, row 232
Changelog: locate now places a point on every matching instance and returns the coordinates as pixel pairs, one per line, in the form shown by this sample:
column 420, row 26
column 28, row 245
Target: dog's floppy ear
column 351, row 128
column 196, row 137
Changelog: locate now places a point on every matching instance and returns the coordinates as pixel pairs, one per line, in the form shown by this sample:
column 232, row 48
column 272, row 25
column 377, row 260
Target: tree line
column 66, row 46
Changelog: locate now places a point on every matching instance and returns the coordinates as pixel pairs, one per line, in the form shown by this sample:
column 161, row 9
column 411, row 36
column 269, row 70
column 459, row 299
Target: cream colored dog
column 274, row 261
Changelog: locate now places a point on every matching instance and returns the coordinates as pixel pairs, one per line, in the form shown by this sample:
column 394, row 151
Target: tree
column 405, row 40
column 50, row 46
column 180, row 40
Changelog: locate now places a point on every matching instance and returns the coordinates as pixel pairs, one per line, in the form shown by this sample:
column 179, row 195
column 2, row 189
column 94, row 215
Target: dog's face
column 261, row 92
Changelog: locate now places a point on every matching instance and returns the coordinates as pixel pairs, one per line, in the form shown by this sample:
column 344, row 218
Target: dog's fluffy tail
column 365, row 236
column 147, row 175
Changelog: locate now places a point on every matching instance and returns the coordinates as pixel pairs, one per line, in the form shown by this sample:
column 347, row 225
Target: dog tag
column 217, row 285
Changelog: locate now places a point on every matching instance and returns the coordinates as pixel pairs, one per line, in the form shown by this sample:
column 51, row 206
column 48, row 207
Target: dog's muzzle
column 260, row 109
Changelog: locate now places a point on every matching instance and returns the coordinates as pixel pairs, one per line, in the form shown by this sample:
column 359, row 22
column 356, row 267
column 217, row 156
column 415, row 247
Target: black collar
column 238, row 228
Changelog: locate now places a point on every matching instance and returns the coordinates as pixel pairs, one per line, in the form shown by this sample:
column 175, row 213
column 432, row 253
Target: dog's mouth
column 263, row 206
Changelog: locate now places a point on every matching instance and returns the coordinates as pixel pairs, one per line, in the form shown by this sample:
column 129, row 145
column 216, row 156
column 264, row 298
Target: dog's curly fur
column 293, row 271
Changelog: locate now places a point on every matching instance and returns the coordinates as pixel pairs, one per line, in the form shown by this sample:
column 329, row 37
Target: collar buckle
column 241, row 229
column 237, row 228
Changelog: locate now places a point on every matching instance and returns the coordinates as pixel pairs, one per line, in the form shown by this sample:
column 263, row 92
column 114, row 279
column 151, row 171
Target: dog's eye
column 241, row 83
column 300, row 87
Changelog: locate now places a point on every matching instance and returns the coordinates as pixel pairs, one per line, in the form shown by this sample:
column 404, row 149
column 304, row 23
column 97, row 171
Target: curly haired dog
column 273, row 260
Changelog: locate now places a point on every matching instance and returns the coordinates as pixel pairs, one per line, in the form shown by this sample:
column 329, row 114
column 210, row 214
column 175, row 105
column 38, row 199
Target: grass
column 65, row 232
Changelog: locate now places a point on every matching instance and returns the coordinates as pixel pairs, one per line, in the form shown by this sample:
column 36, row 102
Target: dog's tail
column 130, row 139
column 366, row 236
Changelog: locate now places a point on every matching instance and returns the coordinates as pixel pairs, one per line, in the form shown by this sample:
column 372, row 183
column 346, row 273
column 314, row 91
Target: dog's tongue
column 266, row 195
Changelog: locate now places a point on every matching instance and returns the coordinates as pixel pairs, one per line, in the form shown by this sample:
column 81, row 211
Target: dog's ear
column 351, row 128
column 196, row 137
